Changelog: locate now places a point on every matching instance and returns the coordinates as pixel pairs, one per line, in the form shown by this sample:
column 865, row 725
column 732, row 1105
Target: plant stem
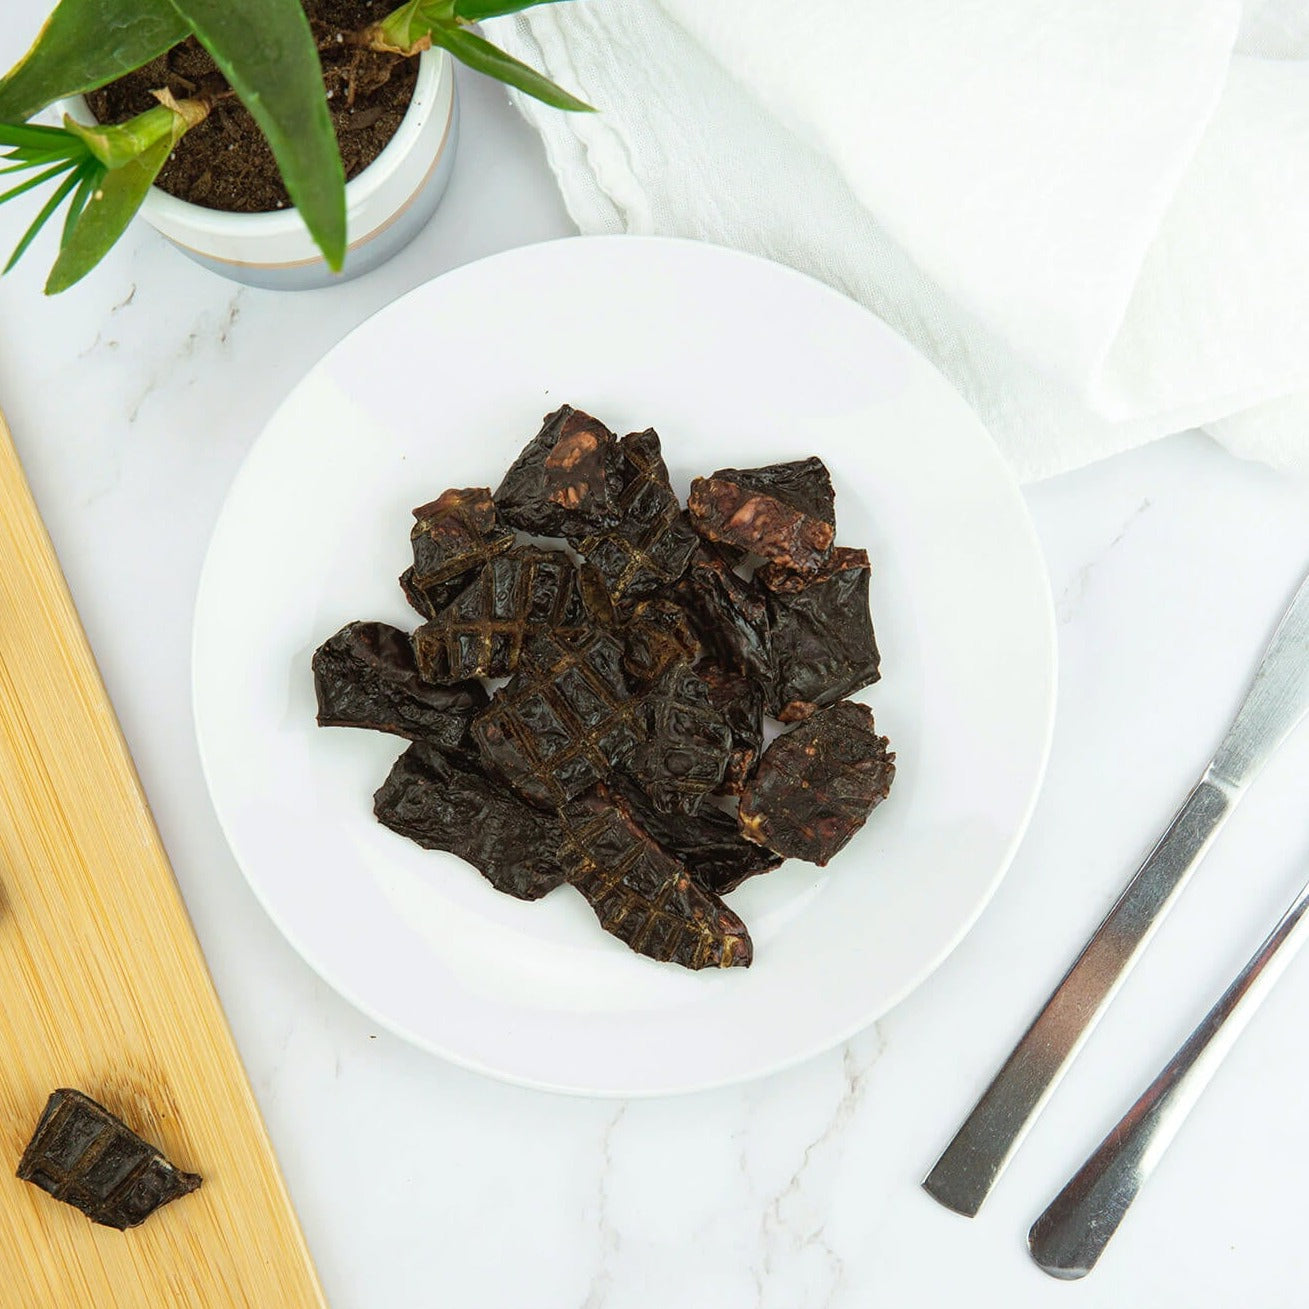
column 375, row 37
column 120, row 143
column 419, row 25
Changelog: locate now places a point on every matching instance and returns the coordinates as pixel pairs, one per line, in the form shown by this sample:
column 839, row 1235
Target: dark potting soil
column 225, row 163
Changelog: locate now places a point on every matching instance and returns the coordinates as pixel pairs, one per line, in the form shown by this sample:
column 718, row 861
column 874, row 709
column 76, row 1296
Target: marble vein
column 610, row 1239
column 194, row 344
column 1071, row 597
column 99, row 342
column 793, row 1224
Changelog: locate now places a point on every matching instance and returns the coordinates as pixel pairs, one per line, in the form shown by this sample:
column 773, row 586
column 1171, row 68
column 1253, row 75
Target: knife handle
column 1072, row 1233
column 963, row 1176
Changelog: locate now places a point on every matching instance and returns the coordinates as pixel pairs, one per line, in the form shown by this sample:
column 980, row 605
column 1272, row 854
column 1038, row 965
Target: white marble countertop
column 133, row 400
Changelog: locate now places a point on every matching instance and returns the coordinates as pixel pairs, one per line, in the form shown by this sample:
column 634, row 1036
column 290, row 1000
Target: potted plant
column 177, row 70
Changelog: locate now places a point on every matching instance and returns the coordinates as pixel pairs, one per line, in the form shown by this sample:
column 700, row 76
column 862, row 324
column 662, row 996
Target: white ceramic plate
column 736, row 361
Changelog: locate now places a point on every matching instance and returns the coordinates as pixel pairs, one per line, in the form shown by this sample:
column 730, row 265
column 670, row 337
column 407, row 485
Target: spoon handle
column 1072, row 1233
column 1278, row 700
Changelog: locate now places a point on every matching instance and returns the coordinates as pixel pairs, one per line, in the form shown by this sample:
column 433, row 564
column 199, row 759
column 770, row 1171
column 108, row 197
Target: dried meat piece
column 657, row 633
column 729, row 614
column 684, row 747
column 564, row 721
column 817, row 784
column 366, row 676
column 708, row 842
column 455, row 534
column 822, row 632
column 566, row 481
column 732, row 555
column 443, row 805
column 481, row 632
column 740, row 700
column 596, row 604
column 652, row 542
column 86, row 1157
column 642, row 895
column 430, row 600
column 784, row 512
column 639, row 681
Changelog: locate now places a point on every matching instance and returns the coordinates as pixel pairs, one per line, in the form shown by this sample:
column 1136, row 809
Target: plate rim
column 1049, row 644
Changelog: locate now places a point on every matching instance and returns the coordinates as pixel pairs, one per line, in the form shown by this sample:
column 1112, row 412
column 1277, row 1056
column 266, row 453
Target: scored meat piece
column 566, row 481
column 596, row 604
column 729, row 614
column 642, row 895
column 481, row 632
column 657, row 633
column 652, row 542
column 624, row 752
column 740, row 700
column 708, row 842
column 366, row 676
column 784, row 512
column 430, row 600
column 455, row 534
column 817, row 784
column 564, row 721
column 86, row 1157
column 443, row 805
column 822, row 633
column 684, row 748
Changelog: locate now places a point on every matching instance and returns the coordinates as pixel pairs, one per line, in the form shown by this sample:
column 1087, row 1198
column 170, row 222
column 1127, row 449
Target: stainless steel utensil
column 964, row 1175
column 1072, row 1233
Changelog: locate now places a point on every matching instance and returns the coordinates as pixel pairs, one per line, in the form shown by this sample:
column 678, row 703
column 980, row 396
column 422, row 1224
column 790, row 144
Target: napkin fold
column 1091, row 216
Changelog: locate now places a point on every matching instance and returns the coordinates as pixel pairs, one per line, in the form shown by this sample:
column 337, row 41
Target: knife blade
column 1278, row 700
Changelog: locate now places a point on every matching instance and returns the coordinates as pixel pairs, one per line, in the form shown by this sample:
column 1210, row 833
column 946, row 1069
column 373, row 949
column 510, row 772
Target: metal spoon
column 1072, row 1233
column 963, row 1176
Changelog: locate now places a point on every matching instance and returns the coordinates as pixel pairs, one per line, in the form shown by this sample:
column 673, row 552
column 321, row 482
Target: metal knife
column 1071, row 1235
column 964, row 1175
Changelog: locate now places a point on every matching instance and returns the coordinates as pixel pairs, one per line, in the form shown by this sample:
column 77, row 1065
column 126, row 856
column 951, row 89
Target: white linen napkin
column 1092, row 216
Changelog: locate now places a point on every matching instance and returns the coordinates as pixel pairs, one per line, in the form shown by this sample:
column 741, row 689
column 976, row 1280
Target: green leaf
column 75, row 178
column 52, row 143
column 33, row 182
column 29, row 158
column 109, row 208
column 266, row 51
column 110, row 170
column 419, row 24
column 17, row 160
column 83, row 45
column 29, row 136
column 473, row 11
column 480, row 55
column 91, row 175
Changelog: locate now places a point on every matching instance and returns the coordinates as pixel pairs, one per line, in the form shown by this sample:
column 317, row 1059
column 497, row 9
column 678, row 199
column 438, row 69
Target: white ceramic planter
column 387, row 205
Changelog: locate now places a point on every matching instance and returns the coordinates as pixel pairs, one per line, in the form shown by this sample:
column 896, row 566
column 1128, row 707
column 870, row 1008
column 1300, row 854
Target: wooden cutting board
column 103, row 988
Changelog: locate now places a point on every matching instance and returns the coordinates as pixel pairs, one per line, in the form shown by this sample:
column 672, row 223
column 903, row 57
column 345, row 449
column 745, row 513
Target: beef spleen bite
column 445, row 804
column 817, row 784
column 784, row 512
column 366, row 676
column 824, row 648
